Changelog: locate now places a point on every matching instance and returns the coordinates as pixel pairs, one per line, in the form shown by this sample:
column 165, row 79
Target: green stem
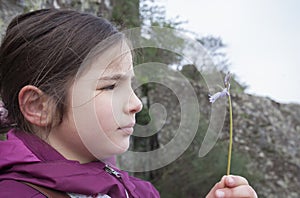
column 230, row 135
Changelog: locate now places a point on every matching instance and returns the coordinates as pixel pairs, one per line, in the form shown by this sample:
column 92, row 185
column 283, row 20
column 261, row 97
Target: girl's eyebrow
column 116, row 77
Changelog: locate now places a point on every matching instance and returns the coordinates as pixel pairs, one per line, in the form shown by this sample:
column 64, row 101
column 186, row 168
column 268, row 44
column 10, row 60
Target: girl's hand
column 232, row 187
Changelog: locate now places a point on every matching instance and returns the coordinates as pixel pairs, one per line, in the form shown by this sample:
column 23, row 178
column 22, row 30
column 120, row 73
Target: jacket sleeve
column 15, row 189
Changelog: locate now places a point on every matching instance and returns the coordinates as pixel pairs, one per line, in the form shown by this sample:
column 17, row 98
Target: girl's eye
column 109, row 87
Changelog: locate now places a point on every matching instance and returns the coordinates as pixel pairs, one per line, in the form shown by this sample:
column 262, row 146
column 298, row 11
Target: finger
column 234, row 180
column 219, row 185
column 243, row 191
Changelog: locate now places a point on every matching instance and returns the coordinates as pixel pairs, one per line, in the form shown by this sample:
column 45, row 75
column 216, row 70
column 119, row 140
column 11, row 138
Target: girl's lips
column 128, row 129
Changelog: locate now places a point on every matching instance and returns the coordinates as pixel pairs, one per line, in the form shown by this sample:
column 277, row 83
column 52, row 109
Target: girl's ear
column 34, row 105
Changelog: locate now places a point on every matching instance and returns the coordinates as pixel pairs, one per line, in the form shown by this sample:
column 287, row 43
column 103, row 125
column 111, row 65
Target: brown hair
column 45, row 48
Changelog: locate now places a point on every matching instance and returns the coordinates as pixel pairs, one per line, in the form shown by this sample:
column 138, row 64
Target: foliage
column 2, row 137
column 130, row 9
column 191, row 176
column 152, row 14
column 91, row 6
column 214, row 47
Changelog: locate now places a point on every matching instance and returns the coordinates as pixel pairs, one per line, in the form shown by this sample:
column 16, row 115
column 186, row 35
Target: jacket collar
column 32, row 160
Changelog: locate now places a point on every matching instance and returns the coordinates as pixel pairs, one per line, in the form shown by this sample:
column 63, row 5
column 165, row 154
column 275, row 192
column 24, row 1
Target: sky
column 262, row 37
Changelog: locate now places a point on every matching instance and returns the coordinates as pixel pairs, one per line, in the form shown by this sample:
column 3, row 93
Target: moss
column 2, row 136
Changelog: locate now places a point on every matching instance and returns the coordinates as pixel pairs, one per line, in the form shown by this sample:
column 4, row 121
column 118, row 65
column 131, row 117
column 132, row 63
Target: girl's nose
column 135, row 105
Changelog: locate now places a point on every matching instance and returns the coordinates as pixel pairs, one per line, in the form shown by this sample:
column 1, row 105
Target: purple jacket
column 25, row 157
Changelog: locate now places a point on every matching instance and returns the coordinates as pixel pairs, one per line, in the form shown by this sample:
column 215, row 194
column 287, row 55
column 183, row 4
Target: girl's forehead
column 116, row 58
column 122, row 61
column 121, row 64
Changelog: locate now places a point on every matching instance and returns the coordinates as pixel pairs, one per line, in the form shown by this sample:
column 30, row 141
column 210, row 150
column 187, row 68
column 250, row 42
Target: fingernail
column 230, row 180
column 220, row 194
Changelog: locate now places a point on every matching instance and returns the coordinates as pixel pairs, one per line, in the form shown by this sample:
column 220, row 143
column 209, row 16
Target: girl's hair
column 45, row 48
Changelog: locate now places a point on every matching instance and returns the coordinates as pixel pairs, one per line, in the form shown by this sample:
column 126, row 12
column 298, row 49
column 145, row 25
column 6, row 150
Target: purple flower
column 224, row 92
column 218, row 95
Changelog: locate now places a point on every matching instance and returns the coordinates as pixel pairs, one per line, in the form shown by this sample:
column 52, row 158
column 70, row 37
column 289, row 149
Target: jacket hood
column 25, row 157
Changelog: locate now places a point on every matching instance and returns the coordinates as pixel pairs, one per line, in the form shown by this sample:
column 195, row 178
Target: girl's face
column 101, row 114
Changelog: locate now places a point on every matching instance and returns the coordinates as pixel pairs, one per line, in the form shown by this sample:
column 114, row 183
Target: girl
column 65, row 80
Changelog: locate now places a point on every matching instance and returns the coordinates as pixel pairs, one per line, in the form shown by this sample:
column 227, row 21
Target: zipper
column 112, row 171
column 117, row 174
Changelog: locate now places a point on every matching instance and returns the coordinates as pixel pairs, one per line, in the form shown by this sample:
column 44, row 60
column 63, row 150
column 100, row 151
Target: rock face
column 266, row 131
column 270, row 133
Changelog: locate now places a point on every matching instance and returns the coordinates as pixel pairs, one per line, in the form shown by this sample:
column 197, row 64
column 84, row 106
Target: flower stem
column 230, row 135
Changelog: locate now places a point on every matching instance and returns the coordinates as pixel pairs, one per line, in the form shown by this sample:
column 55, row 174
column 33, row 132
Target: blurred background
column 261, row 37
column 258, row 41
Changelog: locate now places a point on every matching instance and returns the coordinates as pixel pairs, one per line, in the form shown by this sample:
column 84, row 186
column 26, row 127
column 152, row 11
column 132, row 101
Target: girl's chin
column 117, row 150
column 122, row 149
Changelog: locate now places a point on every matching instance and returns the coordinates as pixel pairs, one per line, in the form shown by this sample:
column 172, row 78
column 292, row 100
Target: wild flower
column 221, row 94
column 218, row 95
